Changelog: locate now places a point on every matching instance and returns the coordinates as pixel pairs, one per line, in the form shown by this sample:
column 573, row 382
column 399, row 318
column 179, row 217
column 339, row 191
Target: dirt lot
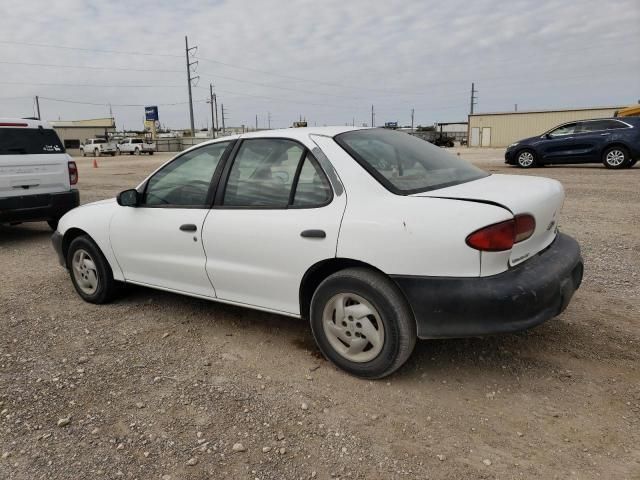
column 160, row 386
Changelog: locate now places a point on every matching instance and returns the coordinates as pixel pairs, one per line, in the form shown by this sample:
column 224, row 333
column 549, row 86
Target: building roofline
column 554, row 110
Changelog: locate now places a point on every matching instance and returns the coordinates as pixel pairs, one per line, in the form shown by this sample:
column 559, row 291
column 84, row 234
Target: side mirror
column 128, row 198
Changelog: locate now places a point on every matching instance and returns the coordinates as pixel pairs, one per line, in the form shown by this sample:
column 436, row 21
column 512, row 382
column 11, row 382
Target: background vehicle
column 136, row 146
column 443, row 141
column 613, row 141
column 36, row 175
column 428, row 246
column 632, row 111
column 97, row 147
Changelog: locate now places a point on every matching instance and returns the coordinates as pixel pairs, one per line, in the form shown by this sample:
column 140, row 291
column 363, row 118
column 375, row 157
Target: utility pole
column 516, row 107
column 256, row 122
column 190, row 79
column 215, row 107
column 412, row 113
column 373, row 117
column 213, row 116
column 474, row 97
column 222, row 112
column 38, row 107
column 269, row 120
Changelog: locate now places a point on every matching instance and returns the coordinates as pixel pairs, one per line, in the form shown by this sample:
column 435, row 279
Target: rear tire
column 362, row 323
column 90, row 272
column 136, row 151
column 526, row 159
column 616, row 157
column 96, row 153
column 150, row 153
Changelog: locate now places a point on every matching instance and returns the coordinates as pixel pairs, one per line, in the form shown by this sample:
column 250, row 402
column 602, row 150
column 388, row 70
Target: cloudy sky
column 326, row 60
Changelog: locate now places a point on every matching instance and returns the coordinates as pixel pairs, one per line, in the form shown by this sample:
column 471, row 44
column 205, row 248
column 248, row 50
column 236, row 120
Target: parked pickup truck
column 97, row 147
column 136, row 146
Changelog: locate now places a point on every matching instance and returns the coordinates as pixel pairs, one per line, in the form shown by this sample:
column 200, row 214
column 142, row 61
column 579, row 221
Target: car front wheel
column 362, row 323
column 615, row 157
column 526, row 159
column 90, row 272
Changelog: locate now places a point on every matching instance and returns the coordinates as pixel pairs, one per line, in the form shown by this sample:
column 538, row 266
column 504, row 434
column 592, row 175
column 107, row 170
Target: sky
column 327, row 61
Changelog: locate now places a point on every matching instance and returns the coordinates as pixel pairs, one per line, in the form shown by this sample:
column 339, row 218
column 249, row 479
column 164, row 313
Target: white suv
column 36, row 175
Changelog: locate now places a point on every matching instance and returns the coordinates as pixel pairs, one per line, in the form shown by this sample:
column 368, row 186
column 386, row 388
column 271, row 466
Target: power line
column 62, row 100
column 95, row 85
column 90, row 67
column 64, row 47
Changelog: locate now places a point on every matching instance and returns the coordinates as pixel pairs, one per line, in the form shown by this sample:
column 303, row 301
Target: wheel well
column 318, row 272
column 615, row 144
column 69, row 236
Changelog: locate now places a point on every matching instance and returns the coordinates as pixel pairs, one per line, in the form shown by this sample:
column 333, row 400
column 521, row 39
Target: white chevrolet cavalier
column 376, row 237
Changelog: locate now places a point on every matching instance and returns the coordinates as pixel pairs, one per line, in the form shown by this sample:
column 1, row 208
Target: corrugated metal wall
column 507, row 128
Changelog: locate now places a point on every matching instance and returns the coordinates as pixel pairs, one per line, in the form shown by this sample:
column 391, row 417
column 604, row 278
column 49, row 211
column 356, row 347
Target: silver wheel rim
column 615, row 158
column 525, row 159
column 85, row 272
column 353, row 327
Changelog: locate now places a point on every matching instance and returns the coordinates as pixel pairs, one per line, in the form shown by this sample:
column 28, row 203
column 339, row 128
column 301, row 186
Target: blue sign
column 151, row 113
column 391, row 124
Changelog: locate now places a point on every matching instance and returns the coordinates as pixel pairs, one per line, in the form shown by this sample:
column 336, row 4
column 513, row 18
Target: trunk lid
column 540, row 197
column 33, row 174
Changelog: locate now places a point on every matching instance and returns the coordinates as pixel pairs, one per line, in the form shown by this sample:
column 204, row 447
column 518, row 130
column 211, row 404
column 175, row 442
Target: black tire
column 392, row 308
column 526, row 158
column 150, row 153
column 614, row 154
column 96, row 153
column 106, row 286
column 53, row 224
column 113, row 154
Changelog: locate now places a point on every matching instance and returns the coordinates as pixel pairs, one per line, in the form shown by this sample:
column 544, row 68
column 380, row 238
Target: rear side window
column 598, row 125
column 405, row 164
column 29, row 141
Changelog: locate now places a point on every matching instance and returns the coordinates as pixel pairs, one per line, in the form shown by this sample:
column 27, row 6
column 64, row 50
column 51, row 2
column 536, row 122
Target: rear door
column 32, row 161
column 598, row 133
column 275, row 216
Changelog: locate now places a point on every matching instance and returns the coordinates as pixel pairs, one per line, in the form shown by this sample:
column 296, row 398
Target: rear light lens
column 73, row 173
column 525, row 226
column 494, row 238
column 502, row 236
column 13, row 124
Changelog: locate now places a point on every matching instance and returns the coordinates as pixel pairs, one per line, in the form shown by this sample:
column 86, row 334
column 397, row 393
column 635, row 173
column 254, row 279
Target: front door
column 158, row 242
column 561, row 144
column 275, row 217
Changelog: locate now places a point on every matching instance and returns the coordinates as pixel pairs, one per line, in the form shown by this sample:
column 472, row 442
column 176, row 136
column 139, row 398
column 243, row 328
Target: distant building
column 75, row 132
column 501, row 129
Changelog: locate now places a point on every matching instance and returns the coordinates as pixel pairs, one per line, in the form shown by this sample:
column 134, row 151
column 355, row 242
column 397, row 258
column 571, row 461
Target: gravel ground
column 160, row 386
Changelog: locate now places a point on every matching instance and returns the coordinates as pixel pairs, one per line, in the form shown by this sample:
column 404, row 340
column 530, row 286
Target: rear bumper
column 518, row 299
column 48, row 206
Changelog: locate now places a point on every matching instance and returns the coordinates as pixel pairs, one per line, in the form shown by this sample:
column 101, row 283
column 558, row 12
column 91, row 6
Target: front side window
column 29, row 141
column 186, row 180
column 263, row 173
column 405, row 164
column 567, row 129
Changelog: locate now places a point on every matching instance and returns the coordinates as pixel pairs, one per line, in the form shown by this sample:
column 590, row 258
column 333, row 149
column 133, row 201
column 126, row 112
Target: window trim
column 218, row 203
column 383, row 180
column 625, row 126
column 212, row 183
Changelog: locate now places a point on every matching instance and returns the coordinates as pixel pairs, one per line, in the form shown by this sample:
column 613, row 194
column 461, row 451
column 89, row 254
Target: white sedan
column 375, row 237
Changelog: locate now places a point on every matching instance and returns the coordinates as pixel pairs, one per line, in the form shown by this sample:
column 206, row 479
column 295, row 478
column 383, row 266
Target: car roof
column 23, row 123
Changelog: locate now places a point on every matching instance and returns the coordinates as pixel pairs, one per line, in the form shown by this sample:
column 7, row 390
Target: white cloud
column 397, row 55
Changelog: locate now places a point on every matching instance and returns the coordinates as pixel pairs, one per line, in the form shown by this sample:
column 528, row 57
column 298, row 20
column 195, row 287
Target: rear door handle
column 188, row 227
column 313, row 234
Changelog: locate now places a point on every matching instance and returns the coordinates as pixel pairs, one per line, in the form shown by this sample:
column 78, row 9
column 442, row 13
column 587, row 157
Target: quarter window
column 263, row 173
column 312, row 189
column 186, row 180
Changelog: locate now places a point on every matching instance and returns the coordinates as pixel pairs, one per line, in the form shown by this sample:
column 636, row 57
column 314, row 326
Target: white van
column 36, row 174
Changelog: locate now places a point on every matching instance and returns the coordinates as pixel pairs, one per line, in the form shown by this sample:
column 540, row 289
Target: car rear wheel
column 136, row 151
column 90, row 272
column 616, row 157
column 526, row 159
column 362, row 323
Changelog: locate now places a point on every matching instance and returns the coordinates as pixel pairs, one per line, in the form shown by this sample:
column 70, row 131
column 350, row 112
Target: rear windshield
column 405, row 164
column 29, row 141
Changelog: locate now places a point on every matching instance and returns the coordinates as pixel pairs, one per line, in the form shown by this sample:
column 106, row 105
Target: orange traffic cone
column 95, row 163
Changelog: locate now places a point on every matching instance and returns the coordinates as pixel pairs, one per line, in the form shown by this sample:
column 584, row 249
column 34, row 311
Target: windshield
column 405, row 164
column 29, row 141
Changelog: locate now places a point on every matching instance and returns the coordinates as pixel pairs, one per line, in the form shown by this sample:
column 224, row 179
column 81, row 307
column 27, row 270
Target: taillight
column 525, row 225
column 501, row 236
column 494, row 238
column 73, row 173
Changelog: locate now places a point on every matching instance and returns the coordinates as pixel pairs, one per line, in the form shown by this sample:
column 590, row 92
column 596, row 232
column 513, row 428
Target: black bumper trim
column 520, row 298
column 48, row 206
column 56, row 241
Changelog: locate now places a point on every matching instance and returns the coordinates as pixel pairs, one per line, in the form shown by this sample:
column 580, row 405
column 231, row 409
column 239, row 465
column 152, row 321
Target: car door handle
column 313, row 234
column 188, row 227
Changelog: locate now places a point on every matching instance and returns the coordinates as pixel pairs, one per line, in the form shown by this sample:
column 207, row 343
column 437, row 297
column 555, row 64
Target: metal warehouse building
column 74, row 132
column 501, row 129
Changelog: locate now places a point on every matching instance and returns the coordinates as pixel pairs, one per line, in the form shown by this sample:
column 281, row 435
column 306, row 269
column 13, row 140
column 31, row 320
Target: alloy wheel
column 353, row 327
column 615, row 158
column 525, row 159
column 85, row 272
